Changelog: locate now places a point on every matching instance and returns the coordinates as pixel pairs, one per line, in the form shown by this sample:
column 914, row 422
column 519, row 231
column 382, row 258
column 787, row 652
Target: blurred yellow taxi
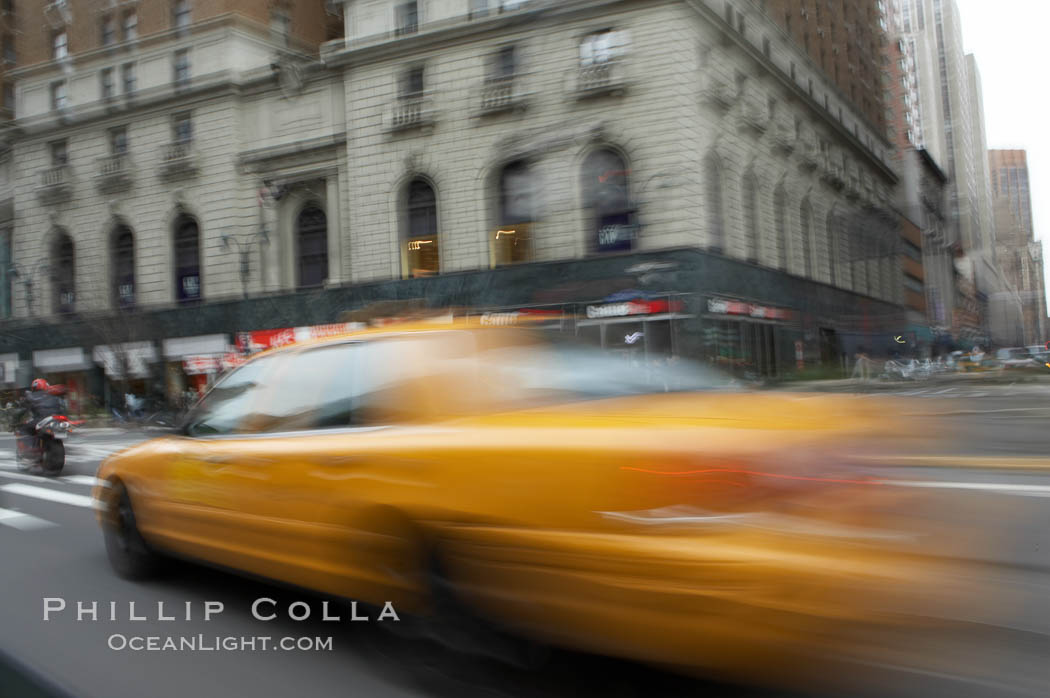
column 647, row 512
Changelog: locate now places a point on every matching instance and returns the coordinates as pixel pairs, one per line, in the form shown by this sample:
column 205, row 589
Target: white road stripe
column 88, row 480
column 24, row 476
column 77, row 500
column 23, row 521
column 1022, row 490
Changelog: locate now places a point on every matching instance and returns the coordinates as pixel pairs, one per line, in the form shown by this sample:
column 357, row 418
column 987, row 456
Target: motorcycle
column 44, row 446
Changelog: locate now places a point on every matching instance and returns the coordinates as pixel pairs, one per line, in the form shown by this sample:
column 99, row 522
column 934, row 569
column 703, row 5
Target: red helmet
column 39, row 384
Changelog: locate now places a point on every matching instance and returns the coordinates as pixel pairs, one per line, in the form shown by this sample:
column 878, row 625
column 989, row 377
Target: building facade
column 1020, row 255
column 463, row 151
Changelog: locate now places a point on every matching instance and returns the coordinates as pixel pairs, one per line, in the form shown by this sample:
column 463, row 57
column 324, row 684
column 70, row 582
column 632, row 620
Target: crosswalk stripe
column 82, row 480
column 23, row 521
column 77, row 500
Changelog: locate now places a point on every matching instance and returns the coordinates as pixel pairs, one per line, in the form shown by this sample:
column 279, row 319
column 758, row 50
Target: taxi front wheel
column 128, row 553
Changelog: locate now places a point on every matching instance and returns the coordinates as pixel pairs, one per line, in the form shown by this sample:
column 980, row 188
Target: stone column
column 335, row 230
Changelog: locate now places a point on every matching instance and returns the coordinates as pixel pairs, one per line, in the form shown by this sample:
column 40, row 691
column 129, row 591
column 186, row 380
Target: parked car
column 1016, row 357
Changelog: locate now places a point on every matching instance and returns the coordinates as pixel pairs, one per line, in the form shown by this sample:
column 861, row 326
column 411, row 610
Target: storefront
column 745, row 338
column 128, row 368
column 260, row 340
column 69, row 367
column 640, row 330
column 191, row 365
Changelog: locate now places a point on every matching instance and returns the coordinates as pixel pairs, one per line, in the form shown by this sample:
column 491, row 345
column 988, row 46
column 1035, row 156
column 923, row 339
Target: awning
column 60, row 360
column 137, row 356
column 201, row 345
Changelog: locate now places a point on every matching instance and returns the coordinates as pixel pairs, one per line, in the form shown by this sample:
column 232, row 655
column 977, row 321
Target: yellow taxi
column 654, row 513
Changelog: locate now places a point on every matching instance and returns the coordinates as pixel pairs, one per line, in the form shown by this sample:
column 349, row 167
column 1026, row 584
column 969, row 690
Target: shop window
column 63, row 274
column 123, row 265
column 606, row 195
column 512, row 239
column 311, row 234
column 421, row 230
column 187, row 260
column 714, row 204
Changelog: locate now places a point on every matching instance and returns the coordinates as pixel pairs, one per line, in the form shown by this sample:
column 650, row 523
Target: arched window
column 187, row 260
column 606, row 194
column 512, row 240
column 63, row 274
column 123, row 256
column 311, row 234
column 715, row 216
column 421, row 230
column 780, row 215
column 805, row 215
column 749, row 200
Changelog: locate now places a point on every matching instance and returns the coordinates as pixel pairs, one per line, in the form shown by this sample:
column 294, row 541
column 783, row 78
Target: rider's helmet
column 39, row 384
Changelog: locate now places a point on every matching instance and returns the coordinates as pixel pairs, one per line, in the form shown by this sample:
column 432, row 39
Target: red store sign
column 251, row 342
column 633, row 308
column 722, row 306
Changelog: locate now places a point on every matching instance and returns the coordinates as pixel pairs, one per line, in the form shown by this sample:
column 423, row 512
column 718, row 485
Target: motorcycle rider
column 38, row 402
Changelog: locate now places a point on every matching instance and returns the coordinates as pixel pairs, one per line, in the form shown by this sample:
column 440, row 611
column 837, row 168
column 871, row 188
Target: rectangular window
column 182, row 13
column 182, row 128
column 412, row 84
column 9, row 49
column 603, row 46
column 130, row 24
column 59, row 45
column 505, row 64
column 105, row 79
column 182, row 67
column 406, row 18
column 59, row 99
column 280, row 26
column 118, row 140
column 58, row 152
column 479, row 8
column 9, row 96
column 109, row 30
column 127, row 76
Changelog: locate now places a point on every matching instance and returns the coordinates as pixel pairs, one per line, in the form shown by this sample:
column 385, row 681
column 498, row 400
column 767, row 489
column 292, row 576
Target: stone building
column 1020, row 255
column 490, row 154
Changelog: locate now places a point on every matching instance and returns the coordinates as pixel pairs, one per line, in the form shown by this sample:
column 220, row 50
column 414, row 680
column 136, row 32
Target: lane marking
column 1020, row 490
column 989, row 462
column 77, row 500
column 23, row 521
column 88, row 480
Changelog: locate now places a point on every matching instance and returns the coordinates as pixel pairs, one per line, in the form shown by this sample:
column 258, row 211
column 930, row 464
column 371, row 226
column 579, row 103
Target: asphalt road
column 50, row 547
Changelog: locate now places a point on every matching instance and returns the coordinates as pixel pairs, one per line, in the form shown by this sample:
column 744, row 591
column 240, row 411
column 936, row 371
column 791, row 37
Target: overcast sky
column 1009, row 39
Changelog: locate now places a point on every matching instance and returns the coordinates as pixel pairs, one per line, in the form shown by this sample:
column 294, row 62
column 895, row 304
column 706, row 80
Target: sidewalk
column 988, row 378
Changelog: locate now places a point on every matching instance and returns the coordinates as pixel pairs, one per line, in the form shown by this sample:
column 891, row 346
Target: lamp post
column 28, row 280
column 244, row 247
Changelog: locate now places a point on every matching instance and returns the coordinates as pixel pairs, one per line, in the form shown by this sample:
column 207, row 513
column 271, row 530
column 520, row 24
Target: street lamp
column 244, row 247
column 29, row 279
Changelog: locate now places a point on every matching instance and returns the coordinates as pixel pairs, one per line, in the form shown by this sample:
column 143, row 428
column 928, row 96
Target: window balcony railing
column 598, row 78
column 56, row 184
column 178, row 159
column 114, row 172
column 410, row 111
column 501, row 94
